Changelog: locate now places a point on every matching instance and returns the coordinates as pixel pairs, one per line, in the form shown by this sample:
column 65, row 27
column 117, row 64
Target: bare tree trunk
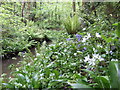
column 23, row 6
column 28, row 8
column 35, row 4
column 74, row 7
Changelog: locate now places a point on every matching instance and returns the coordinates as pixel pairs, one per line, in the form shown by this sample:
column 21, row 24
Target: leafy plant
column 114, row 71
column 117, row 29
column 72, row 24
column 113, row 78
column 81, row 61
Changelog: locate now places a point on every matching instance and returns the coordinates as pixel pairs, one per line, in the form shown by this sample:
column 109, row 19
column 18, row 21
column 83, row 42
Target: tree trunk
column 28, row 8
column 74, row 7
column 23, row 6
column 35, row 4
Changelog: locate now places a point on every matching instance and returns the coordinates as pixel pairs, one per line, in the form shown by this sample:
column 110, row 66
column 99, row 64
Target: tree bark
column 23, row 6
column 28, row 8
column 35, row 4
column 74, row 7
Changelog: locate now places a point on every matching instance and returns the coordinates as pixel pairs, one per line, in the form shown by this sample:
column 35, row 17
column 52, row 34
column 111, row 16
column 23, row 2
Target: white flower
column 75, row 54
column 94, row 50
column 84, row 28
column 37, row 54
column 52, row 74
column 98, row 35
column 65, row 50
column 87, row 58
column 52, row 45
column 91, row 61
column 73, row 64
column 107, row 52
column 111, row 52
column 94, row 60
column 86, row 37
column 95, row 55
column 50, row 64
column 35, row 59
column 29, row 64
column 114, row 59
column 99, row 46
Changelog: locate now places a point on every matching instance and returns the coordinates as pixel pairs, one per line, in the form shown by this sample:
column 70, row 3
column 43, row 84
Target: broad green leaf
column 114, row 71
column 7, row 85
column 77, row 85
column 115, row 24
column 90, row 72
column 21, row 78
column 1, row 83
column 103, row 81
column 103, row 37
column 117, row 29
column 109, row 40
column 56, row 73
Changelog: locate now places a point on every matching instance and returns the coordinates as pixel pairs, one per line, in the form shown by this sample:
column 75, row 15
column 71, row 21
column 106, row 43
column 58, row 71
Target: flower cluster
column 86, row 37
column 94, row 60
column 98, row 35
column 78, row 37
column 79, row 44
column 68, row 39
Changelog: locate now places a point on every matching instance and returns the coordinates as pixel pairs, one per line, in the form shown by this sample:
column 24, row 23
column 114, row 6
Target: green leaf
column 114, row 74
column 117, row 29
column 21, row 78
column 115, row 24
column 109, row 40
column 56, row 73
column 103, row 81
column 1, row 83
column 77, row 85
column 8, row 85
column 103, row 37
column 90, row 72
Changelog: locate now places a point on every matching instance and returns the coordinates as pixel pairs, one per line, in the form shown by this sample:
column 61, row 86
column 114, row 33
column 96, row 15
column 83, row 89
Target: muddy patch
column 7, row 63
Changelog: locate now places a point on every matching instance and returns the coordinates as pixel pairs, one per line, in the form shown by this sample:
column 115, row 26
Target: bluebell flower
column 68, row 39
column 78, row 37
column 84, row 48
column 78, row 45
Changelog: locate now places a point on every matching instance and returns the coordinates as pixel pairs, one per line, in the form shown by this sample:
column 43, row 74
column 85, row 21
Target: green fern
column 72, row 25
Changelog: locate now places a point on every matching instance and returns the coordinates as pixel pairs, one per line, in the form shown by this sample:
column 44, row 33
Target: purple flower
column 68, row 39
column 111, row 52
column 78, row 45
column 84, row 48
column 78, row 37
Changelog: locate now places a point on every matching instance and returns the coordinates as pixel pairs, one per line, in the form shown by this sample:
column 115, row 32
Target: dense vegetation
column 77, row 44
